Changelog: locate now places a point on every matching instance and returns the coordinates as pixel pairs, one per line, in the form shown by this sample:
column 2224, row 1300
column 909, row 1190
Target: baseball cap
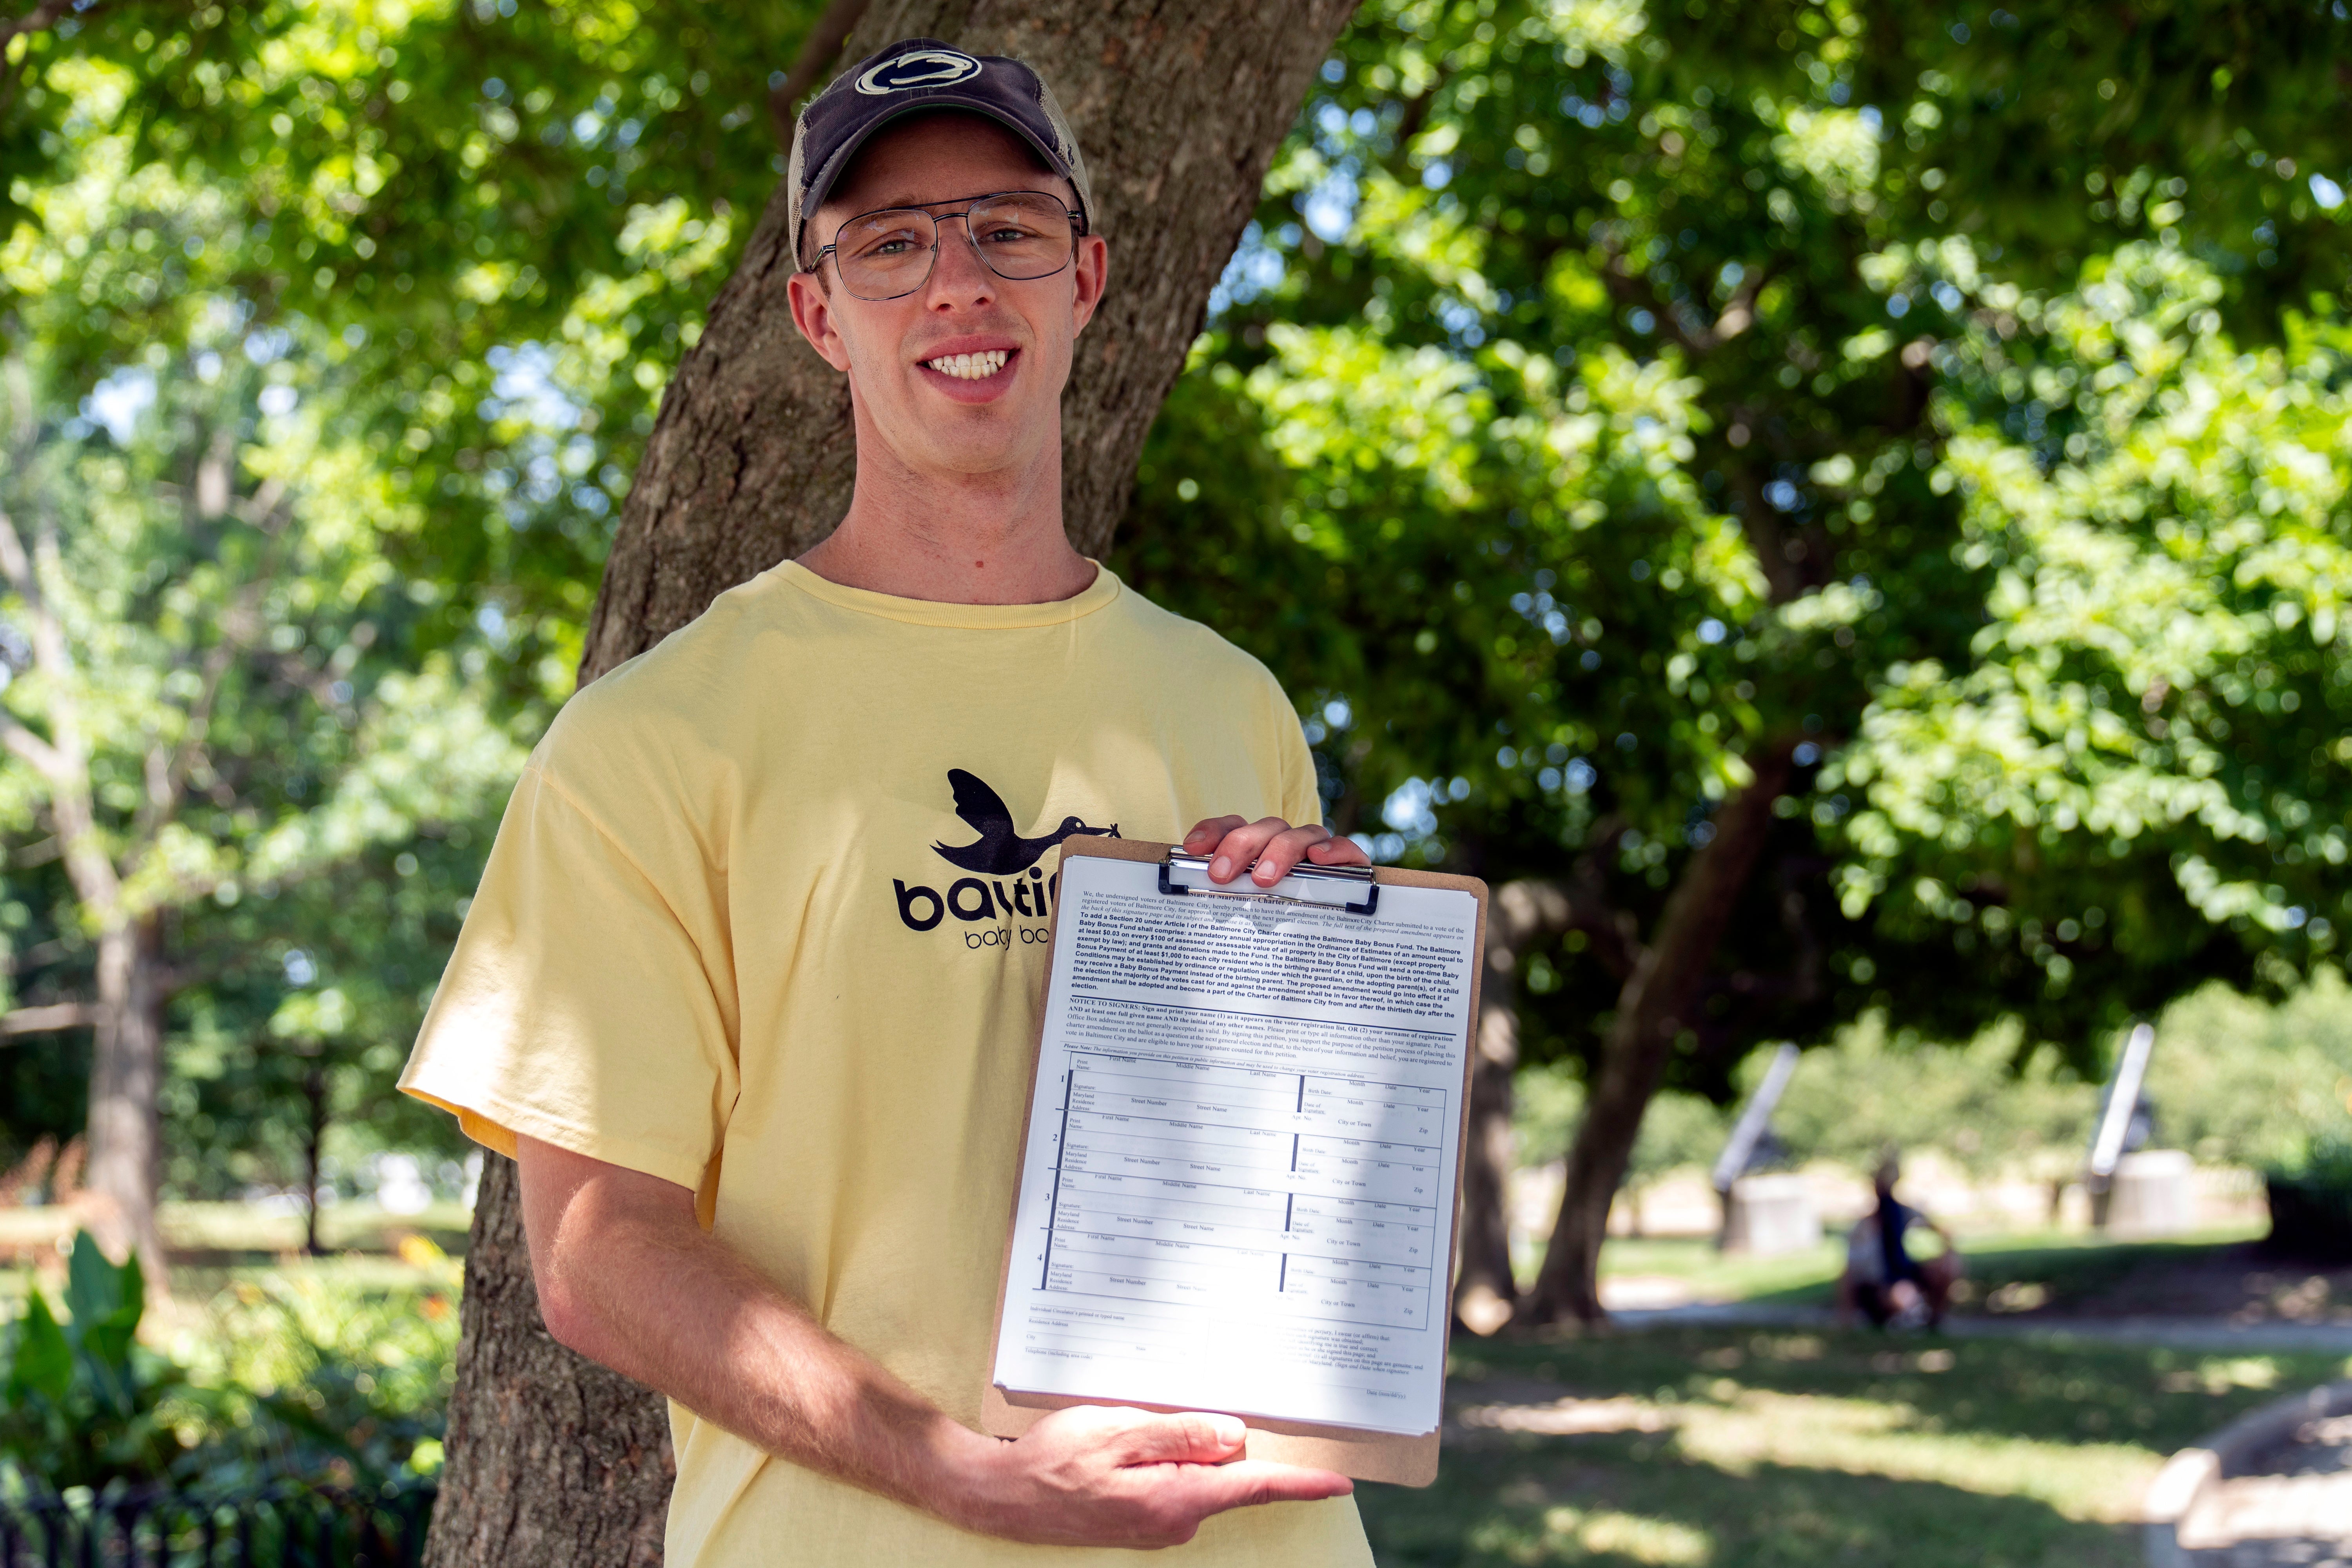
column 916, row 76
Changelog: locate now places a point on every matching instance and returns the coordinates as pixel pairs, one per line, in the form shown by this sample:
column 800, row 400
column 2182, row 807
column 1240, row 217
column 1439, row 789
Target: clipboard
column 1356, row 1452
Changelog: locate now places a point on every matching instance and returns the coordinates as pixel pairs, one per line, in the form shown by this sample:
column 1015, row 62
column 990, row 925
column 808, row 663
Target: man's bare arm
column 627, row 1278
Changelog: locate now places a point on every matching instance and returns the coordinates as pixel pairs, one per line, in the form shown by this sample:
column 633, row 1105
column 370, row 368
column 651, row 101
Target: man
column 750, row 983
column 1883, row 1283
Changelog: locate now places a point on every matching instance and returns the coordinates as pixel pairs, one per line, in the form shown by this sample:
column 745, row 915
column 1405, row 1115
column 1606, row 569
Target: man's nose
column 959, row 277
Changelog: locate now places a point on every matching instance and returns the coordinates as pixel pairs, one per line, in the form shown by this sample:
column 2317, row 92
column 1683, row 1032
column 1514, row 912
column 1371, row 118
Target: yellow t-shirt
column 766, row 917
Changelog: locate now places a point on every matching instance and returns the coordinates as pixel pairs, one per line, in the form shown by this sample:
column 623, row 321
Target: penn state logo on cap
column 917, row 69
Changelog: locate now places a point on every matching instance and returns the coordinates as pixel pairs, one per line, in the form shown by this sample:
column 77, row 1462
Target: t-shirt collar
column 1101, row 592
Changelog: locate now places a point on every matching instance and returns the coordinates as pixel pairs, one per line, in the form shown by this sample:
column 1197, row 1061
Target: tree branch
column 64, row 759
column 824, row 45
column 50, row 1019
column 45, row 758
column 1615, row 935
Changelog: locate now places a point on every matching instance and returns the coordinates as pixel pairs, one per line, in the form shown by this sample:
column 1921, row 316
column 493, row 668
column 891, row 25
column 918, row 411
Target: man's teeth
column 971, row 367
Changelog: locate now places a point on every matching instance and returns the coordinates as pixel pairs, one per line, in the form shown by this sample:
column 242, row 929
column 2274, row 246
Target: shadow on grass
column 1634, row 1503
column 2146, row 1396
column 2012, row 1449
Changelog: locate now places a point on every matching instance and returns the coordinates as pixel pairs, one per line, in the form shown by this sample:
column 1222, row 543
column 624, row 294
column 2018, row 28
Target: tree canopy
column 1931, row 419
column 1750, row 393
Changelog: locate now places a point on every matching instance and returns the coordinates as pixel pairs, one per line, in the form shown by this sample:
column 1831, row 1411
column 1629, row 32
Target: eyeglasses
column 1020, row 236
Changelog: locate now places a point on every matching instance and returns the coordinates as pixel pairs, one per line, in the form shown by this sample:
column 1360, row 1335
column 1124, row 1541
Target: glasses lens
column 884, row 254
column 1021, row 235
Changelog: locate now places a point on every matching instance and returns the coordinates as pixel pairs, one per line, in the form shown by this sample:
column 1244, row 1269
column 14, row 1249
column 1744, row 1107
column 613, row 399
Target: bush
column 2237, row 1081
column 1848, row 1101
column 312, row 1378
column 2311, row 1200
column 86, row 1406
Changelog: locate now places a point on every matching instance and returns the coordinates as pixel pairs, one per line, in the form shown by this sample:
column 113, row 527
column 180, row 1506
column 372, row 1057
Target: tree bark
column 1652, row 1010
column 552, row 1460
column 1485, row 1295
column 125, row 1075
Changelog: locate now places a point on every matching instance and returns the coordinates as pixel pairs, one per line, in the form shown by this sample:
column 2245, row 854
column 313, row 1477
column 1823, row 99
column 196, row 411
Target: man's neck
column 963, row 538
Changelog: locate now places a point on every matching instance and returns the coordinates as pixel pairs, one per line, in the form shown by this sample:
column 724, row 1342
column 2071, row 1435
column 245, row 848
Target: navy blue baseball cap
column 918, row 76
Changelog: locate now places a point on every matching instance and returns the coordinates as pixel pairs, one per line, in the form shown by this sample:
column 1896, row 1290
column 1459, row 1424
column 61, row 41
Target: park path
column 2295, row 1508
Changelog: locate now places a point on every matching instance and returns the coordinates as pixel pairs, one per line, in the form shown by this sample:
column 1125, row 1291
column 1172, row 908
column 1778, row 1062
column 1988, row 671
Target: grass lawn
column 2020, row 1271
column 1747, row 1449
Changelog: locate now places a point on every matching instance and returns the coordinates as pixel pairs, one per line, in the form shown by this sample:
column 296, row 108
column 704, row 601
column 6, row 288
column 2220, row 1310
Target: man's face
column 932, row 421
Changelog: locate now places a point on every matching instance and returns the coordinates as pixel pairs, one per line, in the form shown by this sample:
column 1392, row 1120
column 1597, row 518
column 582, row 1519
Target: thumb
column 1188, row 1440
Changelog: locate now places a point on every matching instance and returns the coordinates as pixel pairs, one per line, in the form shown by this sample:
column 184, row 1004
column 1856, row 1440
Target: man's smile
column 973, row 368
column 970, row 367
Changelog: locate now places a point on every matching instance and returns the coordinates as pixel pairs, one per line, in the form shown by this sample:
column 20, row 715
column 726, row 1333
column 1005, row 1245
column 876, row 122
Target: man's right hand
column 1095, row 1475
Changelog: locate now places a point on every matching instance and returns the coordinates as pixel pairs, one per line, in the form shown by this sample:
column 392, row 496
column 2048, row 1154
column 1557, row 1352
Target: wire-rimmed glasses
column 1020, row 236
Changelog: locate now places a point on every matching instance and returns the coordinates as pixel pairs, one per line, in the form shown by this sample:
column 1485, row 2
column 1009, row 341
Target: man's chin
column 974, row 452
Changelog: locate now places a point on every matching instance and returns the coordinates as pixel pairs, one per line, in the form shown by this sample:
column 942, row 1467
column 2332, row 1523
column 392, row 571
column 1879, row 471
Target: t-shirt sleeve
column 588, row 1002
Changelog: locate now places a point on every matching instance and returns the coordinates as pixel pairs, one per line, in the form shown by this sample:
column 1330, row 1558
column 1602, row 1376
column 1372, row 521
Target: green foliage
column 349, row 1374
column 85, row 1405
column 2237, row 1081
column 1679, row 1132
column 313, row 1375
column 523, row 212
column 1608, row 395
column 1975, row 1103
column 2234, row 1079
column 2324, row 1162
column 419, row 273
column 2155, row 706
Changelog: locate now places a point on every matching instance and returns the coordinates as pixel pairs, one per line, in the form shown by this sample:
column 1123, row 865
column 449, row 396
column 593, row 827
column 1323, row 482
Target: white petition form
column 1238, row 1191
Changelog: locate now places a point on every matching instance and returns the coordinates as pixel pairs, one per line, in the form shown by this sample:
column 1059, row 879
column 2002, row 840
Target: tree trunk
column 126, row 1073
column 1485, row 1293
column 1179, row 109
column 1651, row 1012
column 314, row 1096
column 551, row 1459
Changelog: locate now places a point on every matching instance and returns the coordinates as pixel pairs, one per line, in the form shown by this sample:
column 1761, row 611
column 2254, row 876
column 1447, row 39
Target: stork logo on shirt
column 1007, row 884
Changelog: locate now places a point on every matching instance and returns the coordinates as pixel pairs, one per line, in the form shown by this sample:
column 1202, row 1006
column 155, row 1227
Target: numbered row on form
column 1267, row 1102
column 1252, row 1217
column 1221, row 1278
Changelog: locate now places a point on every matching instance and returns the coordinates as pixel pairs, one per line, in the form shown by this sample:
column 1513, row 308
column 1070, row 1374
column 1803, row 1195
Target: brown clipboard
column 1352, row 1451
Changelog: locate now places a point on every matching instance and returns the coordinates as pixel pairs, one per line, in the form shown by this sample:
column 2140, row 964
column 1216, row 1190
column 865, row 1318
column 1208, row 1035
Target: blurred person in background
column 1882, row 1280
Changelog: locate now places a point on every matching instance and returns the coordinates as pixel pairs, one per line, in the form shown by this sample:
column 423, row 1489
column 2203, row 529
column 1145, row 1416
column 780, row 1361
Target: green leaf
column 44, row 1362
column 96, row 1289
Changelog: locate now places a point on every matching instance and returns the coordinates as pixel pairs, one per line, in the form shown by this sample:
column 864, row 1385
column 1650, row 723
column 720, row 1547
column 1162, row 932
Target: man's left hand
column 1232, row 843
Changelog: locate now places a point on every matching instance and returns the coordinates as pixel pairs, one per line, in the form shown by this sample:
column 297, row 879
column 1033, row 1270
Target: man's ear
column 1089, row 274
column 813, row 314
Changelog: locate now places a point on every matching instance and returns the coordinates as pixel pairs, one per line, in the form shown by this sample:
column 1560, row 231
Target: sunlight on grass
column 1564, row 1535
column 1732, row 1449
column 1751, row 1428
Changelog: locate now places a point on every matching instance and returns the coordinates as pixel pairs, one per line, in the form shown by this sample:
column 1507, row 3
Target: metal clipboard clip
column 1197, row 866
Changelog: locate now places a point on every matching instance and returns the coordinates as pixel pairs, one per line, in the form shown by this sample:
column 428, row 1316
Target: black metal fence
column 283, row 1526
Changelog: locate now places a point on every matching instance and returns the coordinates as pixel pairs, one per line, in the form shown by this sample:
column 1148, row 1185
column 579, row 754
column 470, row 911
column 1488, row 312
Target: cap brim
column 947, row 98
